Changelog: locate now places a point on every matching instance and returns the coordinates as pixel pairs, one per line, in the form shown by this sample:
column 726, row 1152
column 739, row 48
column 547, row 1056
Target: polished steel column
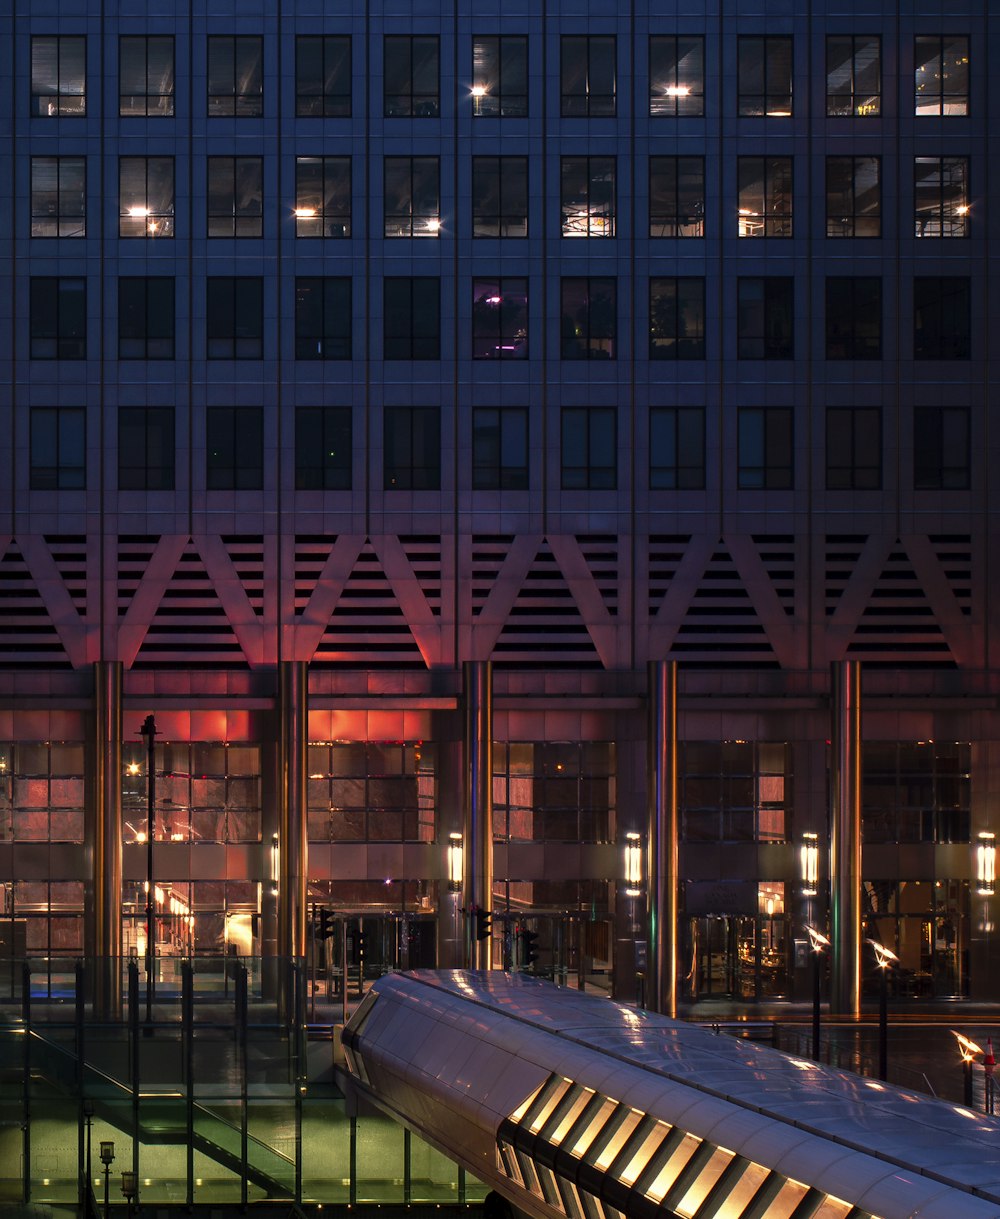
column 662, row 836
column 845, row 839
column 105, row 847
column 292, row 844
column 477, row 821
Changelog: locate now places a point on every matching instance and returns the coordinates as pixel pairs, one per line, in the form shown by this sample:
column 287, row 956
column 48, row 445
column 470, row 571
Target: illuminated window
column 322, row 196
column 765, row 196
column 941, row 75
column 500, row 76
column 764, row 76
column 677, row 196
column 941, row 196
column 500, row 319
column 854, row 75
column 588, row 196
column 676, row 75
column 58, row 75
column 146, row 76
column 145, row 196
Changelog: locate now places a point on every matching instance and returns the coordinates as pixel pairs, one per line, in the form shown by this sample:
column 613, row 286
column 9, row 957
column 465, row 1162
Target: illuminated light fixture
column 433, row 226
column 478, row 90
column 133, row 768
column 275, row 865
column 455, row 859
column 966, row 1046
column 817, row 940
column 962, row 210
column 884, row 957
column 305, row 213
column 633, row 864
column 809, row 864
column 986, row 865
column 678, row 91
column 138, row 211
column 494, row 300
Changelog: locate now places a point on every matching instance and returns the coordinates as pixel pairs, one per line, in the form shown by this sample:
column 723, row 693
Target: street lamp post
column 129, row 1189
column 968, row 1049
column 148, row 733
column 107, row 1159
column 885, row 958
column 817, row 942
column 88, row 1117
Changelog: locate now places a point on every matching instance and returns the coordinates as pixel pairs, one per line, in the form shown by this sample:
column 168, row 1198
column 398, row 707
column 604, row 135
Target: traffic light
column 326, row 918
column 482, row 923
column 529, row 953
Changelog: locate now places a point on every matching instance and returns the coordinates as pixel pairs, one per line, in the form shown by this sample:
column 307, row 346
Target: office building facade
column 416, row 384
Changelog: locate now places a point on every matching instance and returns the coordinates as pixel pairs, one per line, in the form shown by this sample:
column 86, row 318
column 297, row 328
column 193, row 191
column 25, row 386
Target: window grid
column 411, row 81
column 676, row 75
column 500, row 77
column 853, row 197
column 145, row 196
column 941, row 75
column 677, row 196
column 765, row 452
column 764, row 199
column 588, row 196
column 764, row 76
column 854, row 75
column 58, row 197
column 234, row 448
column 323, row 76
column 941, row 196
column 588, row 73
column 58, row 76
column 500, row 196
column 235, row 196
column 499, row 449
column 853, row 448
column 322, row 196
column 500, row 319
column 677, row 318
column 412, row 197
column 146, row 318
column 145, row 448
column 323, row 452
column 676, row 448
column 146, row 76
column 58, row 449
column 235, row 76
column 589, row 449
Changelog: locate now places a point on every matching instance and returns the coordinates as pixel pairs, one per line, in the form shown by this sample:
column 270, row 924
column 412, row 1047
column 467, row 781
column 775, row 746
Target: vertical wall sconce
column 633, row 864
column 275, row 865
column 809, row 864
column 986, row 865
column 454, row 863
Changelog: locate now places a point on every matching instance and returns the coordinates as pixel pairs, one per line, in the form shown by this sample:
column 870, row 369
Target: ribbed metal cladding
column 662, row 837
column 105, row 845
column 845, row 840
column 477, row 857
column 292, row 824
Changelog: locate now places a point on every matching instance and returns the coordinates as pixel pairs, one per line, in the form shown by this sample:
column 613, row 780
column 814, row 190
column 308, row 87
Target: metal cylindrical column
column 662, row 837
column 845, row 839
column 106, row 854
column 477, row 857
column 292, row 844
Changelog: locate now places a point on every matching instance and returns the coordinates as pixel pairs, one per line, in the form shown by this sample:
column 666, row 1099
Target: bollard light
column 817, row 942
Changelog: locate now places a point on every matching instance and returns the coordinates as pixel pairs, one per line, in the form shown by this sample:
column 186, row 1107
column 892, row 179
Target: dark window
column 499, row 449
column 499, row 196
column 765, row 196
column 58, row 449
column 323, row 451
column 941, row 75
column 853, row 197
column 853, row 448
column 676, row 318
column 58, row 75
column 940, row 448
column 411, row 83
column 234, row 448
column 765, row 448
column 146, row 76
column 917, row 791
column 676, row 75
column 853, row 317
column 588, row 75
column 412, row 318
column 589, row 448
column 500, row 319
column 322, row 196
column 764, row 76
column 677, row 196
column 588, row 196
column 146, row 318
column 58, row 318
column 764, row 318
column 676, row 448
column 412, row 196
column 412, row 448
column 236, row 76
column 323, row 319
column 58, row 196
column 145, row 448
column 235, row 196
column 589, row 318
column 500, row 76
column 235, row 306
column 941, row 196
column 854, row 75
column 323, row 76
column 145, row 196
column 941, row 318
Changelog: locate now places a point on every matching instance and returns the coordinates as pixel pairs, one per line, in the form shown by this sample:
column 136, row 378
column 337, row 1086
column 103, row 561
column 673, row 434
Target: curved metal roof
column 562, row 1098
